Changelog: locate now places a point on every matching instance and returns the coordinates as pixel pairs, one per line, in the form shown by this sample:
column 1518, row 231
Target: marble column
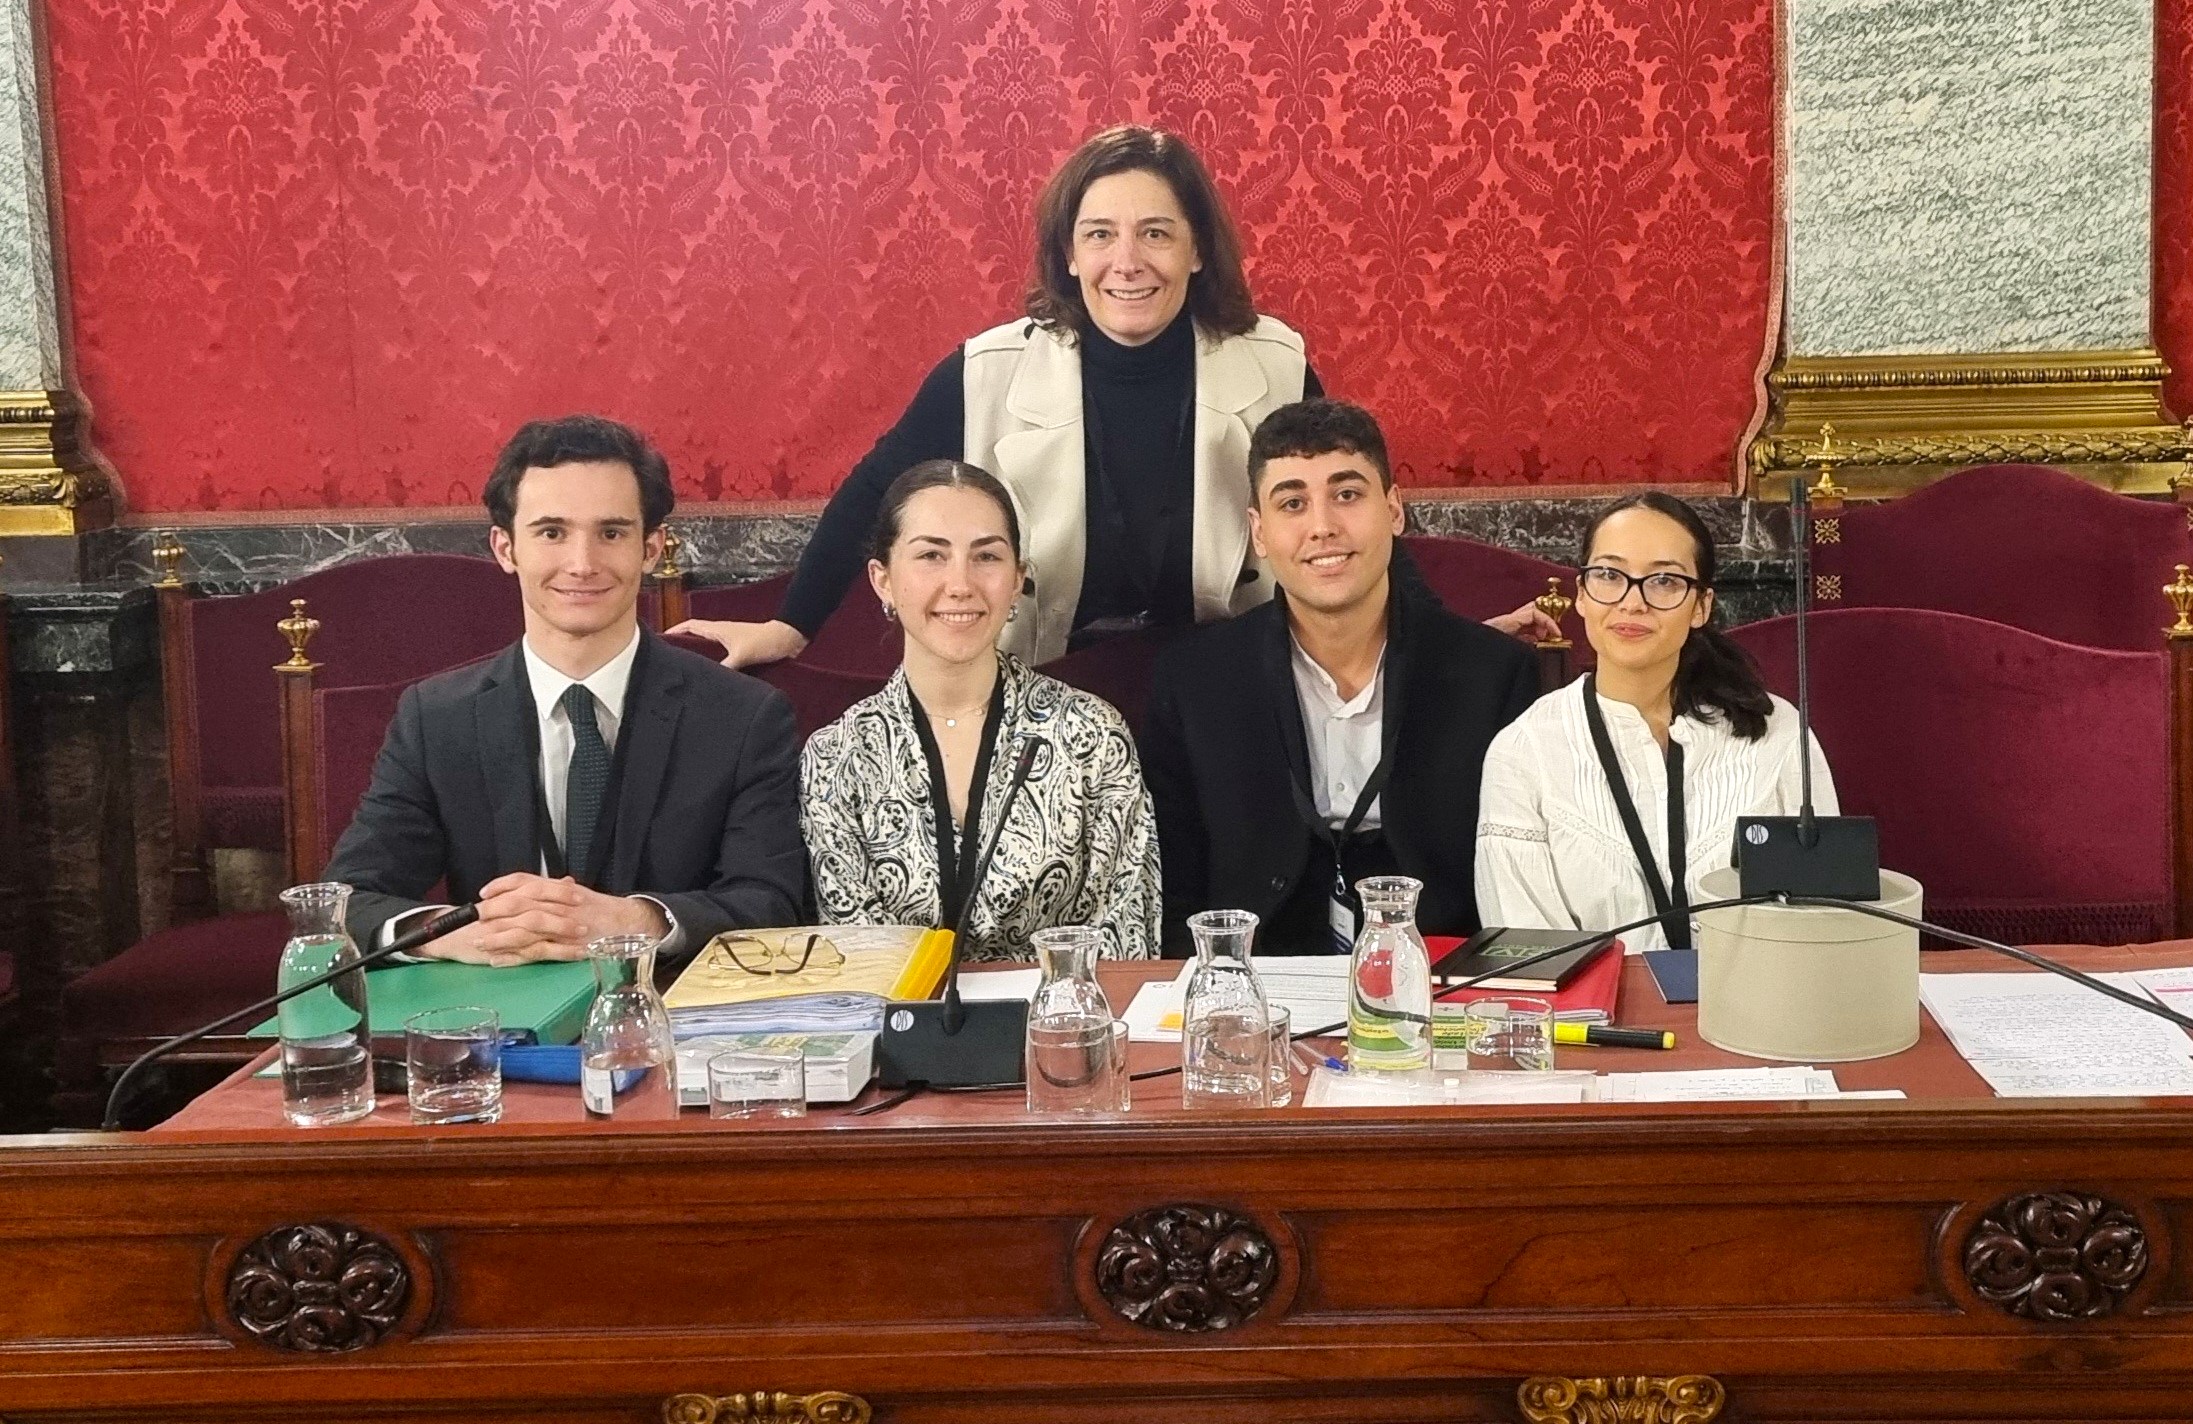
column 1968, row 210
column 53, row 487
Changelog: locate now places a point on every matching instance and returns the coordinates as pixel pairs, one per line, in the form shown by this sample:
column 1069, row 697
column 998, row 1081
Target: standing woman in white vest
column 1117, row 413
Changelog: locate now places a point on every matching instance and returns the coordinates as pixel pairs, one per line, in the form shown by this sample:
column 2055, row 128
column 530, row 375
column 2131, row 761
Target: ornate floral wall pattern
column 2174, row 197
column 328, row 252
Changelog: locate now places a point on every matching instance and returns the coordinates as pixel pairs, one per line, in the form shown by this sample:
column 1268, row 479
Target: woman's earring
column 1012, row 613
column 890, row 614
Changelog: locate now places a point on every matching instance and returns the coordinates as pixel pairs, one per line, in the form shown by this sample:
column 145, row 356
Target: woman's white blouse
column 1551, row 852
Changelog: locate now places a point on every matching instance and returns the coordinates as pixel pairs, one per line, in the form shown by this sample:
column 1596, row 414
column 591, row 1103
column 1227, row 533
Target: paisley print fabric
column 1079, row 847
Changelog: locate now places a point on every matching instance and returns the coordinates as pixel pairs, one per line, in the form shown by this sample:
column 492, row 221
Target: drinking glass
column 757, row 1085
column 454, row 1063
column 1077, row 1064
column 1282, row 1057
column 1510, row 1035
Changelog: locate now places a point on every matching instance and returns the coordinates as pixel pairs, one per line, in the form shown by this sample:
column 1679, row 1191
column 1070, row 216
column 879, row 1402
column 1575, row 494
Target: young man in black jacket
column 1338, row 731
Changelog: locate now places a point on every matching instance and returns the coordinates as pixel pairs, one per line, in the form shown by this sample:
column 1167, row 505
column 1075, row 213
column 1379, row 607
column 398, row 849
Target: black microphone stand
column 432, row 930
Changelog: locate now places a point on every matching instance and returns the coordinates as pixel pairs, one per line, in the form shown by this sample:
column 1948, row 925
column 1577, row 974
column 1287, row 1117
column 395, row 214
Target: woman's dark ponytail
column 1714, row 674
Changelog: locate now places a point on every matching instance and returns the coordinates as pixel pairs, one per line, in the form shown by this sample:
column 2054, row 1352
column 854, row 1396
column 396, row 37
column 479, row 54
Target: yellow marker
column 1599, row 1036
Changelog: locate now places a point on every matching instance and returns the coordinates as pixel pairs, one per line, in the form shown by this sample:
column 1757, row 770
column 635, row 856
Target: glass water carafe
column 1076, row 1063
column 1389, row 981
column 628, row 1063
column 1225, row 1026
column 327, row 1044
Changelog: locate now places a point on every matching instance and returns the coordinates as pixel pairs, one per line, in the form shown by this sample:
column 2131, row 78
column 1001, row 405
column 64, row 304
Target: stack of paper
column 1312, row 988
column 2043, row 1036
column 839, row 1065
column 1432, row 1087
column 1705, row 1085
column 842, row 993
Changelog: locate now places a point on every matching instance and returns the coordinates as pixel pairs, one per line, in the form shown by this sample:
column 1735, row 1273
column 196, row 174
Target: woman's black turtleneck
column 1140, row 484
column 1138, row 415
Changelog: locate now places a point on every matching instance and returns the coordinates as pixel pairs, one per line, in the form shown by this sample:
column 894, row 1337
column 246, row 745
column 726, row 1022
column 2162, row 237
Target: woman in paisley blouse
column 896, row 796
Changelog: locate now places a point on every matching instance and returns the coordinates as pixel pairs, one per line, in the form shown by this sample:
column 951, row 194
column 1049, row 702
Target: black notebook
column 1492, row 947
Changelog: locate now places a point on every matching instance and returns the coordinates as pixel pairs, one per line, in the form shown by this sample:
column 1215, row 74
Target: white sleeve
column 1517, row 885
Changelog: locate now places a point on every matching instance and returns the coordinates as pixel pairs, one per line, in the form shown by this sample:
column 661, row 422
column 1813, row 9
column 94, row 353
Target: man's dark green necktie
column 589, row 780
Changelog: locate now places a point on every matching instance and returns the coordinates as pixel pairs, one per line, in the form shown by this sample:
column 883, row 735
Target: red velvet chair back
column 2026, row 545
column 1116, row 669
column 348, row 726
column 855, row 639
column 381, row 620
column 1477, row 581
column 2024, row 781
column 819, row 695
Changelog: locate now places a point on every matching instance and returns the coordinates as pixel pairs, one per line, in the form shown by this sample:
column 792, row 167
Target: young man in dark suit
column 591, row 779
column 1346, row 720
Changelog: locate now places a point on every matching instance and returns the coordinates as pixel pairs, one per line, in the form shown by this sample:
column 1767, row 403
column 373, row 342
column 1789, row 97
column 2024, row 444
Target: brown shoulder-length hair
column 1218, row 296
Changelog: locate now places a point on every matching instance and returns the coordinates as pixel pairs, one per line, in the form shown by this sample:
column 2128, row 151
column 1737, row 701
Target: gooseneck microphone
column 427, row 933
column 1807, row 854
column 947, row 1042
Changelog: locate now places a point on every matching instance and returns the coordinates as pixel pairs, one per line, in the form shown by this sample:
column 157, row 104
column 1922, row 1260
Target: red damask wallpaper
column 2174, row 197
column 328, row 252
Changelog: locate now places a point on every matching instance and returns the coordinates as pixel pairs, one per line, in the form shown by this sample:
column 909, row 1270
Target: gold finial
column 1827, row 456
column 299, row 630
column 2180, row 593
column 1555, row 605
column 167, row 552
column 669, row 570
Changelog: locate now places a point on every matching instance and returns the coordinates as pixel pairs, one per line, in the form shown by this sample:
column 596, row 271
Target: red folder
column 1589, row 997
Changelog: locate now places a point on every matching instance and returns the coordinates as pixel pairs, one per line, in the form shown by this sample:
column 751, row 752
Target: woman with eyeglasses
column 1608, row 799
column 899, row 795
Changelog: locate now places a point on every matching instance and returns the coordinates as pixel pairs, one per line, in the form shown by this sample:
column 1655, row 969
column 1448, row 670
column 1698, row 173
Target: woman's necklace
column 953, row 720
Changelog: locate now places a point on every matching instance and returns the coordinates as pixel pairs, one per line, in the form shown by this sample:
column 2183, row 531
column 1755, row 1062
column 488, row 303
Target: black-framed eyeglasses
column 1602, row 583
column 749, row 955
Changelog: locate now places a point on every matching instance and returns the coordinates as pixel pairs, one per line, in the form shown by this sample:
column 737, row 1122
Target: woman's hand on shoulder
column 746, row 644
column 1529, row 623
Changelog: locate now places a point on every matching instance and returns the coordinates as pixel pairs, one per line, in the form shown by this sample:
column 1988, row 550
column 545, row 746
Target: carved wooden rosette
column 318, row 1289
column 827, row 1407
column 1187, row 1268
column 1623, row 1399
column 2056, row 1256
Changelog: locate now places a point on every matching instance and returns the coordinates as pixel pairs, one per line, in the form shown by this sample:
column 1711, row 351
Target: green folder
column 547, row 999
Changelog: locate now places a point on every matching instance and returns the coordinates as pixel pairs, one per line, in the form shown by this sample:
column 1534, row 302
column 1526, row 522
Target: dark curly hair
column 574, row 440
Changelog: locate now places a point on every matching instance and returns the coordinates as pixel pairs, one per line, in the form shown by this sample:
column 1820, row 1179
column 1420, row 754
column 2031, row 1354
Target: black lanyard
column 1674, row 912
column 956, row 863
column 1373, row 786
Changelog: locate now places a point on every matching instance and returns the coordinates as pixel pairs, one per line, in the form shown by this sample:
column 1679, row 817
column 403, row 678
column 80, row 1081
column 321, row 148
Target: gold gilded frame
column 1904, row 421
column 50, row 482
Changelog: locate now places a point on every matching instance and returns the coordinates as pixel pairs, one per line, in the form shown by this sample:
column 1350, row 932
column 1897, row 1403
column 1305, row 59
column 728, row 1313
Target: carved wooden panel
column 1624, row 1399
column 828, row 1407
column 1187, row 1268
column 2057, row 1256
column 318, row 1289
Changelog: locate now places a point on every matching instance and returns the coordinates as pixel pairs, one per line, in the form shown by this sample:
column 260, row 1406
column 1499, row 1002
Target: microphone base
column 989, row 1051
column 1843, row 862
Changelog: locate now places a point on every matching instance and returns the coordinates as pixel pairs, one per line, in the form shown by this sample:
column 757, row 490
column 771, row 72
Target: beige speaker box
column 1808, row 985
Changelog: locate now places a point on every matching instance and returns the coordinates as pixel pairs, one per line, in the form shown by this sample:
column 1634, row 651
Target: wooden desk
column 958, row 1261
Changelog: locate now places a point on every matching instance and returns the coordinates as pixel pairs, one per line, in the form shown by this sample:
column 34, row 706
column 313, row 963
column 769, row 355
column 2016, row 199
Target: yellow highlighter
column 1599, row 1036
